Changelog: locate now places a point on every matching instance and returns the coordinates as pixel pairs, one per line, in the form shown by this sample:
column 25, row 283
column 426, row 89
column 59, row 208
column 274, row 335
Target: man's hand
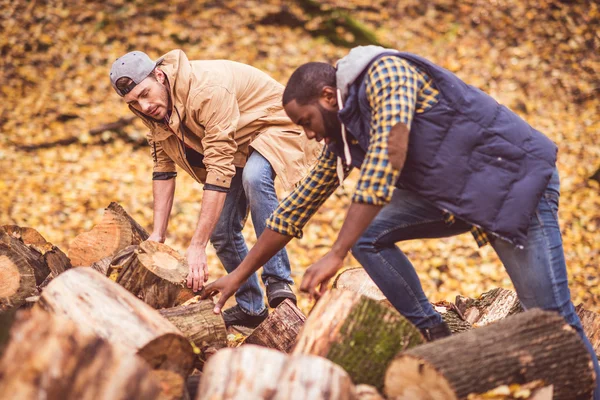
column 226, row 285
column 198, row 273
column 320, row 273
column 156, row 237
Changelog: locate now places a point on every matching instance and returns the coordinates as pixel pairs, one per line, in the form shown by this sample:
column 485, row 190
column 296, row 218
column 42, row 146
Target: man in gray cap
column 223, row 123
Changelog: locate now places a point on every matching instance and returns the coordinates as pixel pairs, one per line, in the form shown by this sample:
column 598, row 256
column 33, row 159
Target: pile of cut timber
column 127, row 322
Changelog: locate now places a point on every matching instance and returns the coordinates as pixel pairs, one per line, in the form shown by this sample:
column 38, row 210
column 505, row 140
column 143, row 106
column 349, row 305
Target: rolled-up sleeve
column 217, row 110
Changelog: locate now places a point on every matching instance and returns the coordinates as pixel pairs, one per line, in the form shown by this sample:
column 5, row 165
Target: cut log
column 280, row 330
column 100, row 305
column 156, row 275
column 229, row 374
column 48, row 357
column 492, row 306
column 277, row 376
column 531, row 391
column 56, row 261
column 357, row 280
column 591, row 326
column 452, row 317
column 116, row 231
column 200, row 325
column 21, row 270
column 357, row 333
column 311, row 377
column 530, row 346
column 172, row 385
column 367, row 392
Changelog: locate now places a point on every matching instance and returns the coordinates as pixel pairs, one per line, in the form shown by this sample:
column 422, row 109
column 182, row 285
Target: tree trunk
column 491, row 306
column 357, row 333
column 99, row 305
column 591, row 326
column 276, row 376
column 357, row 280
column 280, row 330
column 48, row 357
column 156, row 275
column 200, row 325
column 534, row 345
column 116, row 231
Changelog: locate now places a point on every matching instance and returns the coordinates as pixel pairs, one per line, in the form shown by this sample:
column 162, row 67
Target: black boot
column 436, row 332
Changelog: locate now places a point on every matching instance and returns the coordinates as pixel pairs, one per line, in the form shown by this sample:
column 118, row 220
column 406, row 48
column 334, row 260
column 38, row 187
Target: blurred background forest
column 68, row 145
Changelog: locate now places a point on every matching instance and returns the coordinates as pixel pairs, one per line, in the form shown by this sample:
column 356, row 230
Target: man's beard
column 331, row 123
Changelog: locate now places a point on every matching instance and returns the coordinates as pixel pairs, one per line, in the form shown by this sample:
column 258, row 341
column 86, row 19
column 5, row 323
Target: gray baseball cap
column 135, row 65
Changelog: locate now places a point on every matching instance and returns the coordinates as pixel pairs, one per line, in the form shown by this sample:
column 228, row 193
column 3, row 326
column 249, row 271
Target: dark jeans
column 252, row 189
column 538, row 271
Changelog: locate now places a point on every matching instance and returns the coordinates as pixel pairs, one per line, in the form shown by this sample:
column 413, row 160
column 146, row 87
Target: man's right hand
column 226, row 285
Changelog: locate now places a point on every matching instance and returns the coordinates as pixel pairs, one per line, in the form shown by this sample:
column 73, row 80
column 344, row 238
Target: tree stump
column 357, row 333
column 591, row 326
column 100, row 305
column 254, row 372
column 116, row 231
column 156, row 275
column 48, row 357
column 200, row 325
column 534, row 345
column 491, row 306
column 280, row 330
column 21, row 271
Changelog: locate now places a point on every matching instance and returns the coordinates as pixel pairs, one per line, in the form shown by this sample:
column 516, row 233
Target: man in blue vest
column 437, row 158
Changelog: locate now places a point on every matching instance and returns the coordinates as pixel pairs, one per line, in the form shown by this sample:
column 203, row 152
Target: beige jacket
column 222, row 109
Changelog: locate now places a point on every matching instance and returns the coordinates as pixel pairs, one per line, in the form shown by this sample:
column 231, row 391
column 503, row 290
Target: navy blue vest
column 467, row 154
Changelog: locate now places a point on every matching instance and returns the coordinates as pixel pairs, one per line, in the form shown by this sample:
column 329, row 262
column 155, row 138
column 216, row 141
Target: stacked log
column 116, row 231
column 49, row 357
column 356, row 333
column 99, row 305
column 358, row 281
column 591, row 326
column 21, row 271
column 205, row 329
column 254, row 372
column 281, row 328
column 523, row 348
column 156, row 274
column 491, row 306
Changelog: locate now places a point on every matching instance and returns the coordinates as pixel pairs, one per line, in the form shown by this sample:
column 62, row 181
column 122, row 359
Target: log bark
column 280, row 330
column 116, row 231
column 591, row 326
column 534, row 345
column 277, row 376
column 356, row 333
column 101, row 306
column 367, row 392
column 201, row 326
column 492, row 306
column 156, row 275
column 49, row 357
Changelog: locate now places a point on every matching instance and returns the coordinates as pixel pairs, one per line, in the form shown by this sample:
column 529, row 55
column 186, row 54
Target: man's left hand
column 319, row 274
column 198, row 267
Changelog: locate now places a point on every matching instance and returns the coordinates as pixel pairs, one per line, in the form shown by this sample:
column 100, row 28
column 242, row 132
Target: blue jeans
column 538, row 271
column 252, row 189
